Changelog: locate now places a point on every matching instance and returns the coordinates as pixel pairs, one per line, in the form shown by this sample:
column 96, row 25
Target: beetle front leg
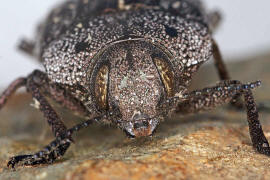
column 58, row 93
column 51, row 116
column 209, row 98
column 54, row 150
column 224, row 75
column 34, row 86
column 37, row 85
column 48, row 155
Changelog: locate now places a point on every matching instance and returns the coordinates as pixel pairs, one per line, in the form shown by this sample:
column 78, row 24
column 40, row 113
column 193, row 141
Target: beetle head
column 135, row 79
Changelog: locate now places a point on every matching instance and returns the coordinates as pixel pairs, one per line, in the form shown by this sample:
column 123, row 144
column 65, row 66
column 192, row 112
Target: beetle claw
column 17, row 159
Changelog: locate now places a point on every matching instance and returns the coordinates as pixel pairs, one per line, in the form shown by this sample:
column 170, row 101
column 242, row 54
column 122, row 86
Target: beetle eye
column 166, row 75
column 101, row 86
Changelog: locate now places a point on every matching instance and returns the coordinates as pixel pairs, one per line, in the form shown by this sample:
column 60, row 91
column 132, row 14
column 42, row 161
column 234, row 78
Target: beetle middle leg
column 34, row 85
column 209, row 98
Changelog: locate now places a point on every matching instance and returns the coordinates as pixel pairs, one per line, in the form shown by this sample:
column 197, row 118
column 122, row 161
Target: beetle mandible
column 129, row 63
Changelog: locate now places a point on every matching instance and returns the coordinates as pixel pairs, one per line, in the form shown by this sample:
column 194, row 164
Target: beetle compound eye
column 101, row 86
column 166, row 75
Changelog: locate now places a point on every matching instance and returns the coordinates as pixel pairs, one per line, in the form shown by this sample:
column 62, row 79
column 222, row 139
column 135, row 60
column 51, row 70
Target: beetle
column 128, row 63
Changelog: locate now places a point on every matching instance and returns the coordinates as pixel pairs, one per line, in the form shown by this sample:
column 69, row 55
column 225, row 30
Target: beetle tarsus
column 54, row 150
column 41, row 157
column 16, row 159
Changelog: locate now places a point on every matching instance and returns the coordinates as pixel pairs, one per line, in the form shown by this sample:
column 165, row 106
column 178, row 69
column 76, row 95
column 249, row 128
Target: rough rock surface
column 210, row 145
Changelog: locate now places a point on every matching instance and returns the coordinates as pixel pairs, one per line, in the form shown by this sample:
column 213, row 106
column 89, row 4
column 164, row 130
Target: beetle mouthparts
column 142, row 127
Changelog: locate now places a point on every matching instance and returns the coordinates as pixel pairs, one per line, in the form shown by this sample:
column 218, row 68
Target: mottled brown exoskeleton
column 129, row 63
